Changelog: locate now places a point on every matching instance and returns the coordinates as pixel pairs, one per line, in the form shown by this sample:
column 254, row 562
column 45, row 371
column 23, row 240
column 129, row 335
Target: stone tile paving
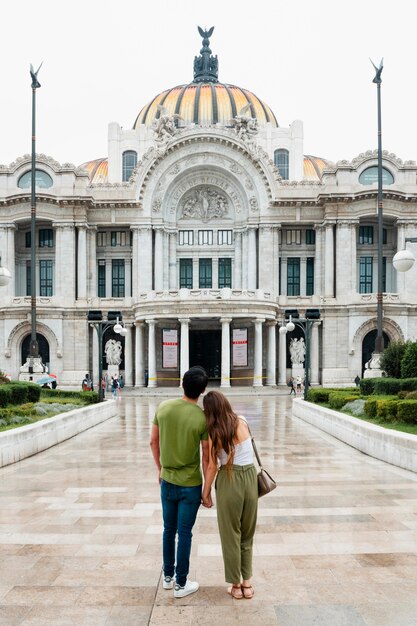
column 80, row 533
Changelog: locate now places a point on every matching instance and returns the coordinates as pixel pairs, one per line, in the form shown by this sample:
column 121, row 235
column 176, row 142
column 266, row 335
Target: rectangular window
column 28, row 238
column 293, row 277
column 119, row 238
column 293, row 237
column 225, row 273
column 28, row 279
column 366, row 234
column 205, row 237
column 45, row 278
column 365, row 274
column 310, row 237
column 384, row 274
column 118, row 278
column 384, row 236
column 46, row 238
column 101, row 278
column 205, row 278
column 186, row 273
column 101, row 239
column 186, row 237
column 224, row 237
column 310, row 276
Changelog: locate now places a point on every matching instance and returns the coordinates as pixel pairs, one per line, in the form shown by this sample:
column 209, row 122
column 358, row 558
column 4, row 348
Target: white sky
column 104, row 60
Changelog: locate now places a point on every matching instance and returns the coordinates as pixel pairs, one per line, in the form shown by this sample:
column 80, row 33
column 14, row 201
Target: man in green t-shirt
column 178, row 430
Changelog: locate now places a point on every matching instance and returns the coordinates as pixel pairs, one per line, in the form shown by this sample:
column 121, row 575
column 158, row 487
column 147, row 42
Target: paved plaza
column 80, row 533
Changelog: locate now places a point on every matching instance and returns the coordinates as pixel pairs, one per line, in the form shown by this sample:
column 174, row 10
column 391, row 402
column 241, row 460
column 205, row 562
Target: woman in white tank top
column 231, row 460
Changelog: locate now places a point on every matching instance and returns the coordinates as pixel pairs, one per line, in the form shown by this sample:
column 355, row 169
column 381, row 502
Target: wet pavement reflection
column 80, row 532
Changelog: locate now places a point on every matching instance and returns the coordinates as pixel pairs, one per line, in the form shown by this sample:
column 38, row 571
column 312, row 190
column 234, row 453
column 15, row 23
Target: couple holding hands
column 179, row 429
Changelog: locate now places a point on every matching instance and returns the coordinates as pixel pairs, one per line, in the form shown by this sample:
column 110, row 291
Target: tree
column 391, row 358
column 409, row 361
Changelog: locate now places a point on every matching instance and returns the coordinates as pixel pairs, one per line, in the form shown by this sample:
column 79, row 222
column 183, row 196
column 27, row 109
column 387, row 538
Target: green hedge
column 367, row 386
column 89, row 397
column 317, row 394
column 387, row 386
column 407, row 411
column 387, row 409
column 408, row 384
column 338, row 399
column 371, row 407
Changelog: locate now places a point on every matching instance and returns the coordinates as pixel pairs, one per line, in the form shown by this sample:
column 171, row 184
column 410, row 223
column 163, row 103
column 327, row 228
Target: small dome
column 206, row 103
column 313, row 167
column 97, row 170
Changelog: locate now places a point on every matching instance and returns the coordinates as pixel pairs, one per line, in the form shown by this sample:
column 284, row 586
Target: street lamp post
column 34, row 348
column 95, row 320
column 379, row 341
column 305, row 324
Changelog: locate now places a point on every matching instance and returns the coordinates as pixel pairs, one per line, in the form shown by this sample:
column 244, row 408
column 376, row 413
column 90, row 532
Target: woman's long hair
column 222, row 424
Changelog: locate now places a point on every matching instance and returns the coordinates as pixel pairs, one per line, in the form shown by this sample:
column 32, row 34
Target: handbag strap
column 255, row 449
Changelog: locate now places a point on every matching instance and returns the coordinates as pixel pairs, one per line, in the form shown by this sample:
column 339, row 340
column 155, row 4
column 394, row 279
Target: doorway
column 368, row 346
column 205, row 350
column 43, row 347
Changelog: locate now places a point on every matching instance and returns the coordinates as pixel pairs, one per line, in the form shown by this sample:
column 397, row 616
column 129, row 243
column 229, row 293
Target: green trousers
column 237, row 508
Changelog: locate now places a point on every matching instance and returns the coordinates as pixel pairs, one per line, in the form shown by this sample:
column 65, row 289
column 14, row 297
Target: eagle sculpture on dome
column 206, row 34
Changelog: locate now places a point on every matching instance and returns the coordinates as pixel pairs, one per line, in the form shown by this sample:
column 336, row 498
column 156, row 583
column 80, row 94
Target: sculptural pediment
column 204, row 203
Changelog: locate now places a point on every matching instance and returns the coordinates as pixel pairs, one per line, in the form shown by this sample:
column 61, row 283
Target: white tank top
column 243, row 454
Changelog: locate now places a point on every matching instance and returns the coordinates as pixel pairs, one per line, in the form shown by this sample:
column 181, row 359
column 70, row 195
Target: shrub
column 89, row 397
column 410, row 395
column 5, row 395
column 337, row 399
column 387, row 386
column 391, row 358
column 18, row 394
column 367, row 386
column 409, row 361
column 409, row 384
column 34, row 392
column 402, row 394
column 407, row 411
column 315, row 394
column 387, row 409
column 370, row 407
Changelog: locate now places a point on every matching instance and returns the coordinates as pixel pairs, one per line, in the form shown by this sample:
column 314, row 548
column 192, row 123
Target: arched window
column 282, row 162
column 130, row 158
column 370, row 176
column 42, row 179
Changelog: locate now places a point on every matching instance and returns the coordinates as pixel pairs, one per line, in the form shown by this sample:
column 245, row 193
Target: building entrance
column 205, row 350
column 368, row 346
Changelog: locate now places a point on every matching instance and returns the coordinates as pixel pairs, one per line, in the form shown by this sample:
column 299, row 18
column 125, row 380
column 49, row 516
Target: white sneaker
column 168, row 582
column 189, row 587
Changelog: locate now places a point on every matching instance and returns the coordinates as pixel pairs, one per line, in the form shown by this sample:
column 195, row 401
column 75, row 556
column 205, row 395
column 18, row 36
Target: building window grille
column 101, row 278
column 28, row 279
column 118, row 278
column 28, row 239
column 384, row 236
column 282, row 162
column 46, row 238
column 130, row 159
column 119, row 238
column 186, row 273
column 224, row 237
column 365, row 274
column 45, row 277
column 310, row 237
column 101, row 239
column 205, row 237
column 366, row 235
column 384, row 274
column 225, row 273
column 205, row 279
column 186, row 237
column 293, row 277
column 293, row 236
column 310, row 276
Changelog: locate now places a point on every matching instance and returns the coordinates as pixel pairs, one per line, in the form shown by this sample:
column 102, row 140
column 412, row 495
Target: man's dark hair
column 194, row 382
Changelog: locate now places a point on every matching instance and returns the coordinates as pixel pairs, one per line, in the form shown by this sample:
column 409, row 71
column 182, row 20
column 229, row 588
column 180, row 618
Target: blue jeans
column 179, row 511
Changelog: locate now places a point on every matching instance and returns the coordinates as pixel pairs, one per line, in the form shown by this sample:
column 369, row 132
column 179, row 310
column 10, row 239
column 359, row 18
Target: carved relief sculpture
column 113, row 350
column 204, row 204
column 297, row 351
column 165, row 127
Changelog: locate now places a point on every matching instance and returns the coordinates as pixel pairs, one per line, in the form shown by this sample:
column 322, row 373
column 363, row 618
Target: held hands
column 207, row 501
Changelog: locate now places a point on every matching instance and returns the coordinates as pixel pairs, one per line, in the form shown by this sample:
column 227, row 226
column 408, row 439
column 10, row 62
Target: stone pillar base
column 39, row 370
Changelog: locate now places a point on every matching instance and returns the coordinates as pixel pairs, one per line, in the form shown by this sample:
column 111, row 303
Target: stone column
column 329, row 261
column 282, row 350
column 314, row 358
column 238, row 261
column 128, row 356
column 139, row 355
column 257, row 369
column 244, row 260
column 172, row 261
column 268, row 268
column 225, row 368
column 82, row 261
column 64, row 279
column 92, row 261
column 7, row 254
column 144, row 256
column 303, row 275
column 345, row 258
column 284, row 277
column 135, row 259
column 151, row 353
column 252, row 265
column 159, row 259
column 184, row 346
column 96, row 356
column 318, row 261
column 271, row 363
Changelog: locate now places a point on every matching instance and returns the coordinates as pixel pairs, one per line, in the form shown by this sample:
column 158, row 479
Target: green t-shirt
column 182, row 426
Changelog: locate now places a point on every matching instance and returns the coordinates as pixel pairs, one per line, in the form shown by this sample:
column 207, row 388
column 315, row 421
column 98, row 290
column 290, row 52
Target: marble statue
column 297, row 351
column 113, row 350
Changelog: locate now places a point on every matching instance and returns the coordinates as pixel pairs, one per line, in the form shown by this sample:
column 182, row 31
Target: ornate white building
column 203, row 225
